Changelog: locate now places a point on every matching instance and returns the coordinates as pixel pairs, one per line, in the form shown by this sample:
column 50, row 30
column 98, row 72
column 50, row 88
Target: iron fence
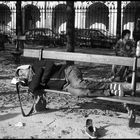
column 96, row 15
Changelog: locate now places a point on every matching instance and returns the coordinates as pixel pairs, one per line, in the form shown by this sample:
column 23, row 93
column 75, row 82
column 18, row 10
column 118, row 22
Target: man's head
column 126, row 34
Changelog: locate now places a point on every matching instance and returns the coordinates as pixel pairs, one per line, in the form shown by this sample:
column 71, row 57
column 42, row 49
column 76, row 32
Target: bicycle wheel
column 26, row 100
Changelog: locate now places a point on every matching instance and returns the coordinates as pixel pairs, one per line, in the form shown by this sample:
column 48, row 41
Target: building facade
column 88, row 14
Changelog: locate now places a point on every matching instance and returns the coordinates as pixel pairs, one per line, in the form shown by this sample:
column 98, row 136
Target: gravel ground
column 66, row 114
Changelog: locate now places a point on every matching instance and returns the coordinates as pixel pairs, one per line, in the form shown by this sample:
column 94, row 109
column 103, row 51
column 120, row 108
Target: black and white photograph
column 69, row 69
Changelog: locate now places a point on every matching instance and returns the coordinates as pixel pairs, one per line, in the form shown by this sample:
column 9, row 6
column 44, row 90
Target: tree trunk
column 18, row 18
column 118, row 19
column 70, row 29
column 18, row 23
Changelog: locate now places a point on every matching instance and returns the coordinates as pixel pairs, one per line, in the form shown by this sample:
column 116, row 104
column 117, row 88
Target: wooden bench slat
column 129, row 100
column 81, row 57
column 57, row 91
column 91, row 58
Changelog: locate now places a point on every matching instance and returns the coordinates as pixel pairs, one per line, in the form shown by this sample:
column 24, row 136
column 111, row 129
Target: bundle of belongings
column 45, row 74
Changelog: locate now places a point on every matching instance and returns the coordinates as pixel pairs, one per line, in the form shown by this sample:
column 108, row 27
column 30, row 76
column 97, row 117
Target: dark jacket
column 47, row 75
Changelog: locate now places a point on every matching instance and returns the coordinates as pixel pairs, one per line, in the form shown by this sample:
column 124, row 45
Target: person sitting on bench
column 124, row 48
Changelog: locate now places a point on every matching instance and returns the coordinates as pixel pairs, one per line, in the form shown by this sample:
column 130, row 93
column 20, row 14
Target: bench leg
column 131, row 114
column 132, row 118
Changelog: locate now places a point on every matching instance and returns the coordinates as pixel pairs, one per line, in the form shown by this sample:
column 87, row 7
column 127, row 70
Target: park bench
column 92, row 58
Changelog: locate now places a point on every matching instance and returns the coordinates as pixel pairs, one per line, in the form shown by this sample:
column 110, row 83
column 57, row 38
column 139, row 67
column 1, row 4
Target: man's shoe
column 90, row 130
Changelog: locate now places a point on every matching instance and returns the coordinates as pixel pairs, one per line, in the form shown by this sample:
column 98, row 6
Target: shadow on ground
column 8, row 116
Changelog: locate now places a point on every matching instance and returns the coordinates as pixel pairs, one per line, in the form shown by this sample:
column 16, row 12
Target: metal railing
column 97, row 15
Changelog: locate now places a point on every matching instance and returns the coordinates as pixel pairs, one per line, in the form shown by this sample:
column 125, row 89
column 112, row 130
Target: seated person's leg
column 120, row 74
column 114, row 70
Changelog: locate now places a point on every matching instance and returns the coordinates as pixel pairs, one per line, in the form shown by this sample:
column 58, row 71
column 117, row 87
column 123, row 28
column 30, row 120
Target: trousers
column 76, row 85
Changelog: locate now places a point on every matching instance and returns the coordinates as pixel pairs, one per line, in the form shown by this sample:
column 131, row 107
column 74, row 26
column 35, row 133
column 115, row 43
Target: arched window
column 97, row 16
column 59, row 18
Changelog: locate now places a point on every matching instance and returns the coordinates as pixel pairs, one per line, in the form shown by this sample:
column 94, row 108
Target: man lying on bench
column 49, row 75
column 45, row 74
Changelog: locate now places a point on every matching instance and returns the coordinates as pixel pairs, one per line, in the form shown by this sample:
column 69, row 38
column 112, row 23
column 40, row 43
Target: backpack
column 24, row 73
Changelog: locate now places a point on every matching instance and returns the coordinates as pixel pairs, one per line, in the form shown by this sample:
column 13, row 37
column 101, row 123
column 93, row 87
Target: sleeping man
column 67, row 78
column 45, row 74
